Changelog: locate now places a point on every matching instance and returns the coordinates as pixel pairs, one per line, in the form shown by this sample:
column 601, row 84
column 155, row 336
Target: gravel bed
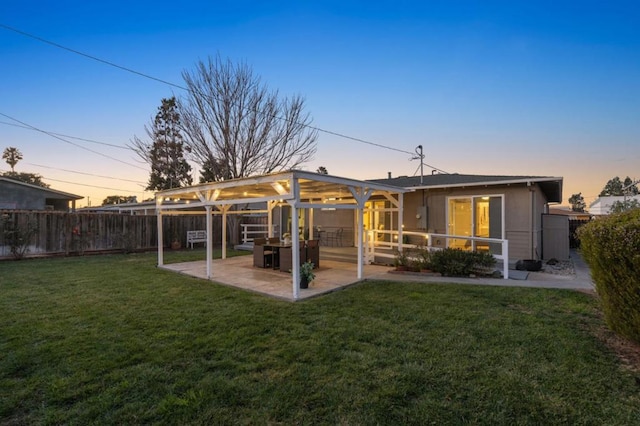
column 558, row 267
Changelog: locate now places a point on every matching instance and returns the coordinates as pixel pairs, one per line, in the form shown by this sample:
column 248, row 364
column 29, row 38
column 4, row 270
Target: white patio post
column 270, row 205
column 360, row 211
column 224, row 209
column 311, row 235
column 400, row 219
column 295, row 240
column 160, row 239
column 209, row 221
column 295, row 253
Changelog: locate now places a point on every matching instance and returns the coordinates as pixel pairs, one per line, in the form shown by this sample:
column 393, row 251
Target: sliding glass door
column 476, row 216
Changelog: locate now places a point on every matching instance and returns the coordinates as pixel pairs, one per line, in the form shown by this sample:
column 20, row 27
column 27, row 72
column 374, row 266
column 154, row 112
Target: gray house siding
column 523, row 214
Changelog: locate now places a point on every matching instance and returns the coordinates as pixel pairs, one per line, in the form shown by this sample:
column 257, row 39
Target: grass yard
column 114, row 340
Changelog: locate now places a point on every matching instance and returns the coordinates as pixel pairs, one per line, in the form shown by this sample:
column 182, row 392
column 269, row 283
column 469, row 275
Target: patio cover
column 299, row 189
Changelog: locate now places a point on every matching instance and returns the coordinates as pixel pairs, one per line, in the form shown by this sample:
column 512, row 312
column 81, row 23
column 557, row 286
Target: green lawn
column 114, row 340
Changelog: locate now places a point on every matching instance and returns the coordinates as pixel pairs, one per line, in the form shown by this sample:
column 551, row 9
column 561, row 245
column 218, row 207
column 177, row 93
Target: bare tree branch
column 231, row 121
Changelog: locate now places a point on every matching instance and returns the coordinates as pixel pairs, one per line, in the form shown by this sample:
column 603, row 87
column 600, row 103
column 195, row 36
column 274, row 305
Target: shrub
column 459, row 263
column 18, row 234
column 611, row 248
column 401, row 259
column 423, row 258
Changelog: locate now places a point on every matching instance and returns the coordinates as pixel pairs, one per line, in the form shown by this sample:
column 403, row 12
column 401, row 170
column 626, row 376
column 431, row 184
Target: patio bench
column 196, row 237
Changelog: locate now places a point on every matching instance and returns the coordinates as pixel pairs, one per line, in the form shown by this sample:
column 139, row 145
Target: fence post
column 505, row 259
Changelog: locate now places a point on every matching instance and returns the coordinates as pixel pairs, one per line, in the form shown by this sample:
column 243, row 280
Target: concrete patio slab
column 239, row 272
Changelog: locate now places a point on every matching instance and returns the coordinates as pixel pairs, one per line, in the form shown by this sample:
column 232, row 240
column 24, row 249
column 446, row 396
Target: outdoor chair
column 313, row 252
column 335, row 238
column 286, row 257
column 262, row 257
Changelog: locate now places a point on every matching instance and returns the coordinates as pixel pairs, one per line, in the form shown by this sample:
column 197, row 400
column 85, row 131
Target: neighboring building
column 503, row 207
column 16, row 195
column 602, row 205
column 572, row 215
column 142, row 208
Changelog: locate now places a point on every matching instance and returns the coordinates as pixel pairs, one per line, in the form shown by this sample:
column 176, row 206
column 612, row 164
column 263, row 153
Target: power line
column 71, row 143
column 148, row 76
column 68, row 136
column 95, row 186
column 84, row 184
column 87, row 174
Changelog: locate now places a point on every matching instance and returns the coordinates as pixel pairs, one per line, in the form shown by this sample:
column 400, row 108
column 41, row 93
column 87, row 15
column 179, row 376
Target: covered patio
column 299, row 190
column 239, row 272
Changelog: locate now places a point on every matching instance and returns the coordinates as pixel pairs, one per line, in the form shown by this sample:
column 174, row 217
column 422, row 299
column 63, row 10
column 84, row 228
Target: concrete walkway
column 581, row 280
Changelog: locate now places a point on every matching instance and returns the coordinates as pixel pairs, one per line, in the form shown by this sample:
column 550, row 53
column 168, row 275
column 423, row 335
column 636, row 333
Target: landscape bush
column 455, row 262
column 17, row 233
column 611, row 247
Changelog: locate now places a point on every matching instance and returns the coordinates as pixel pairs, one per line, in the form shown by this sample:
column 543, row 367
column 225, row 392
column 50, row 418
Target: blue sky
column 542, row 88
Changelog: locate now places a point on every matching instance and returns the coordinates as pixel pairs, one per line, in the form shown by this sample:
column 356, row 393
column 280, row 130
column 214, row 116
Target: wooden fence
column 60, row 233
column 574, row 224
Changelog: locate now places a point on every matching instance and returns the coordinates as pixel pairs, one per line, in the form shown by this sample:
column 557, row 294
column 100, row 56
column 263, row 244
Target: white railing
column 250, row 231
column 389, row 240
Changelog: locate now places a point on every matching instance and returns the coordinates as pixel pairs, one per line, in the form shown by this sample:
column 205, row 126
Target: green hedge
column 458, row 263
column 611, row 248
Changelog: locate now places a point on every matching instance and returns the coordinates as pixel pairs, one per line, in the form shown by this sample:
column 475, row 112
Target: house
column 499, row 214
column 16, row 195
column 602, row 205
column 496, row 207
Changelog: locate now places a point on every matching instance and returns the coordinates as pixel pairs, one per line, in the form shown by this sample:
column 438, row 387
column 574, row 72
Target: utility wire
column 68, row 136
column 94, row 186
column 141, row 74
column 82, row 184
column 71, row 143
column 88, row 174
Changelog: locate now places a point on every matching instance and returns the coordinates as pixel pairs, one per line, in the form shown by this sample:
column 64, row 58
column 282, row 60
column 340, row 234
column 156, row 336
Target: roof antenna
column 420, row 156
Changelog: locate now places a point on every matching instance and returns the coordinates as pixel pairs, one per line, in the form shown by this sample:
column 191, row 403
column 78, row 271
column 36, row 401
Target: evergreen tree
column 577, row 202
column 165, row 151
column 629, row 188
column 30, row 178
column 12, row 155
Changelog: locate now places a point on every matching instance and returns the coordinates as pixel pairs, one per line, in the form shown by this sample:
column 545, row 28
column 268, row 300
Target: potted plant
column 287, row 238
column 306, row 274
column 175, row 242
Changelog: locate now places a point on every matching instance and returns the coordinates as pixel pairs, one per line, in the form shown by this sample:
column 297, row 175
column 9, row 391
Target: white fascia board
column 299, row 174
column 326, row 206
column 489, row 183
column 232, row 183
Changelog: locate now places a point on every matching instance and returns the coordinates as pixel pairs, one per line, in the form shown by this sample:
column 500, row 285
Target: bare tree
column 233, row 122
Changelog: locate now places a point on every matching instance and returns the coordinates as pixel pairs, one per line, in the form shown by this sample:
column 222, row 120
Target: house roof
column 309, row 188
column 51, row 193
column 551, row 186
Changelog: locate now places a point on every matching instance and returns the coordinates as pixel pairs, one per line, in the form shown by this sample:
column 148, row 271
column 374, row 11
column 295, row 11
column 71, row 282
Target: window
column 476, row 216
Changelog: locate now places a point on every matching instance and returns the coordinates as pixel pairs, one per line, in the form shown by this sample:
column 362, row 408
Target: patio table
column 275, row 249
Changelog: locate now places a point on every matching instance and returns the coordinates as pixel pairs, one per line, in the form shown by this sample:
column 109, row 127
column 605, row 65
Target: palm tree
column 12, row 156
